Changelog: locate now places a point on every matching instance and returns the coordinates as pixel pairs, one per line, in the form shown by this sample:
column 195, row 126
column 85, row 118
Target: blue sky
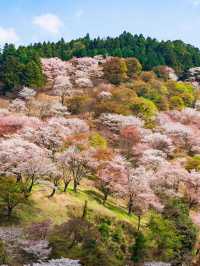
column 26, row 21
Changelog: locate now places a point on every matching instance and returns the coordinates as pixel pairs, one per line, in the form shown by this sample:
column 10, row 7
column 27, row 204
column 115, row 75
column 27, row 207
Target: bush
column 138, row 250
column 91, row 244
column 111, row 106
column 115, row 70
column 143, row 108
column 178, row 212
column 97, row 141
column 176, row 102
column 163, row 238
column 79, row 104
column 147, row 76
column 193, row 163
column 154, row 90
column 134, row 67
column 3, row 255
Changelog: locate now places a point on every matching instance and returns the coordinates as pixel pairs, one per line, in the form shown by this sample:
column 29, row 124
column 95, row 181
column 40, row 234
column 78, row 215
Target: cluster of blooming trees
column 65, row 77
column 151, row 153
column 34, row 154
column 31, row 153
column 143, row 164
column 144, row 171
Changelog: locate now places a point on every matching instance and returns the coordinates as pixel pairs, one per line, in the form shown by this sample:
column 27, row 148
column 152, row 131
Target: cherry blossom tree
column 27, row 93
column 192, row 191
column 53, row 133
column 54, row 177
column 168, row 178
column 38, row 230
column 129, row 136
column 76, row 164
column 160, row 142
column 105, row 95
column 17, row 106
column 58, row 262
column 10, row 124
column 62, row 87
column 37, row 250
column 117, row 122
column 152, row 159
column 31, row 171
column 63, row 165
column 137, row 185
column 20, row 158
column 112, row 176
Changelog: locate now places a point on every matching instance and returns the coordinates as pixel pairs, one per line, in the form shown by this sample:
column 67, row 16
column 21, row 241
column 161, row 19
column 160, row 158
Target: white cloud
column 48, row 22
column 195, row 2
column 8, row 35
column 79, row 13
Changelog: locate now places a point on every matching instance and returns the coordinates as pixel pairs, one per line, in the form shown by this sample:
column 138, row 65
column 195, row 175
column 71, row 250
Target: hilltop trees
column 21, row 66
column 17, row 71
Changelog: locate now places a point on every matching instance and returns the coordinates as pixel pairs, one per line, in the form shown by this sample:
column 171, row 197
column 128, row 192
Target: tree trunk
column 139, row 222
column 31, row 186
column 66, row 186
column 85, row 209
column 75, row 186
column 9, row 211
column 130, row 206
column 62, row 99
column 52, row 193
column 18, row 178
column 105, row 198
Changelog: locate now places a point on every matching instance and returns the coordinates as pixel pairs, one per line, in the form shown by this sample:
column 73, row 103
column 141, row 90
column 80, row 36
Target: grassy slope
column 65, row 205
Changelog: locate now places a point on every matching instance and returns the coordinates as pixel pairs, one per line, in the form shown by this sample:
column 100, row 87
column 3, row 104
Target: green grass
column 62, row 206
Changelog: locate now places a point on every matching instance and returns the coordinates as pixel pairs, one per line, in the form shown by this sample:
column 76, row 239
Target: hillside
column 100, row 164
column 21, row 66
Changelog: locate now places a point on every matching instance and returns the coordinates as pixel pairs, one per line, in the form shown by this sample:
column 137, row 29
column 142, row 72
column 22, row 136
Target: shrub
column 81, row 239
column 115, row 70
column 147, row 76
column 193, row 163
column 163, row 239
column 111, row 106
column 134, row 67
column 143, row 108
column 176, row 102
column 154, row 90
column 3, row 255
column 79, row 104
column 178, row 212
column 138, row 249
column 97, row 141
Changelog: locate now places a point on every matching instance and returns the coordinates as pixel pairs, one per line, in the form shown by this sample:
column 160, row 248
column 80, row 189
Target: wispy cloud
column 48, row 22
column 8, row 35
column 79, row 13
column 195, row 2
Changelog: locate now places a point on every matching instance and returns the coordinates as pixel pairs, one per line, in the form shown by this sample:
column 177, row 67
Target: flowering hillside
column 101, row 167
